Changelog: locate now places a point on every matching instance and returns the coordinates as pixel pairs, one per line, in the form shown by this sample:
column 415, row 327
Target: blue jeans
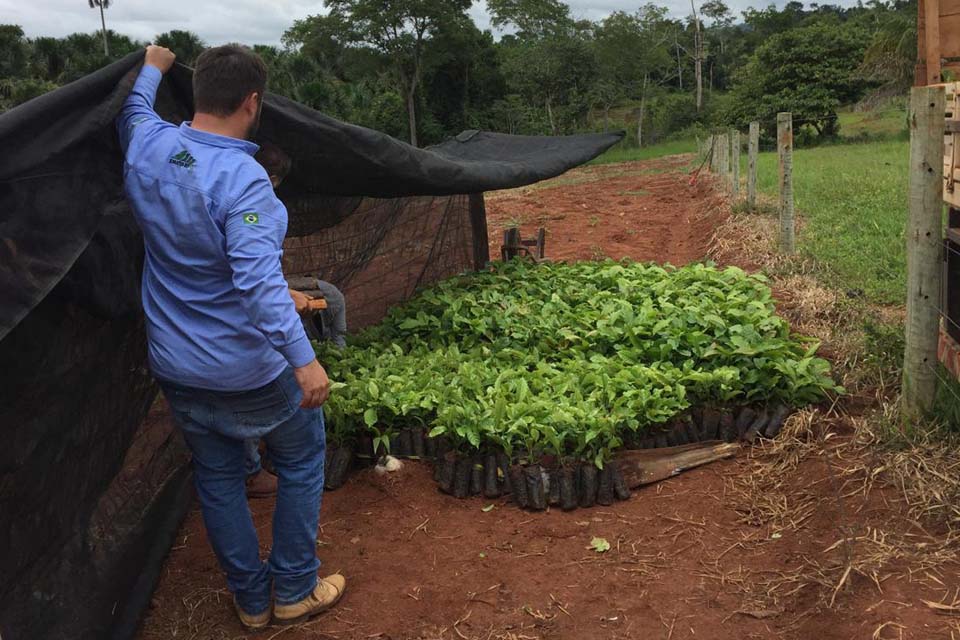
column 215, row 425
column 252, row 462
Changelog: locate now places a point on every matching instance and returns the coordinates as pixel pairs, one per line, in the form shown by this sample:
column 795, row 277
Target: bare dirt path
column 641, row 210
column 796, row 540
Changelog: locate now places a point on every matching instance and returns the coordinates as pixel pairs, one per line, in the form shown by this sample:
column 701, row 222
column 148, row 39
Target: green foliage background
column 548, row 71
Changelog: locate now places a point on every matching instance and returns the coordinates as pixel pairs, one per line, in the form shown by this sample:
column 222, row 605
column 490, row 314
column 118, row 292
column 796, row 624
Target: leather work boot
column 252, row 622
column 262, row 484
column 326, row 594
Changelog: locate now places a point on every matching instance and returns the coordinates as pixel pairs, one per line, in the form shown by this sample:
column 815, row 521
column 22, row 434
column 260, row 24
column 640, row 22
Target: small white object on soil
column 388, row 464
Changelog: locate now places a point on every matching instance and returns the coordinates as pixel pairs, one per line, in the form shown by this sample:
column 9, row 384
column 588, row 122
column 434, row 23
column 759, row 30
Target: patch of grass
column 890, row 122
column 635, row 192
column 946, row 407
column 883, row 345
column 632, row 154
column 854, row 204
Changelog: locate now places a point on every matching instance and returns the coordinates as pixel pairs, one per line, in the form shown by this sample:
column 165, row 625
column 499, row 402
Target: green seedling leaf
column 600, row 545
column 570, row 361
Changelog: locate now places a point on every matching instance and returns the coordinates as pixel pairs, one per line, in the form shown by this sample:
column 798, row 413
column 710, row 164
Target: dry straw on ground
column 868, row 463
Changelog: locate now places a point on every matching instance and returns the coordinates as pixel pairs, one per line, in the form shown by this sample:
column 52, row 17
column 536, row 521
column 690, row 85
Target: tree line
column 421, row 70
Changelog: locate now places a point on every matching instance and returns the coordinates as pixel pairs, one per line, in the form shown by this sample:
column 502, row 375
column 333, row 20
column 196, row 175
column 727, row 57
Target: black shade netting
column 92, row 488
column 386, row 249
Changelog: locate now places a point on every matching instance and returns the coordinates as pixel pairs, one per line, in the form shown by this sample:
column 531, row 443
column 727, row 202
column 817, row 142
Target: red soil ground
column 641, row 210
column 734, row 550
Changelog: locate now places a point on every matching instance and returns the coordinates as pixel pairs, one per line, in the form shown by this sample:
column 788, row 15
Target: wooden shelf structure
column 938, row 42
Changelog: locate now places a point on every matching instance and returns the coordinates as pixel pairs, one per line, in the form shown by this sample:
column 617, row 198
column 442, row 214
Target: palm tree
column 103, row 4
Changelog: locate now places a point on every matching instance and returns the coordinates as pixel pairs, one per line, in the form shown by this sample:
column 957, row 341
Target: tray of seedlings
column 548, row 381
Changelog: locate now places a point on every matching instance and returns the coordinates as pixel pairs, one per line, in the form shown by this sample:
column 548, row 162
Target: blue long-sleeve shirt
column 219, row 315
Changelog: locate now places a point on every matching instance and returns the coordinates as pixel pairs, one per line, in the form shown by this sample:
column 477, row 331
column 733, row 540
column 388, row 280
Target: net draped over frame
column 92, row 488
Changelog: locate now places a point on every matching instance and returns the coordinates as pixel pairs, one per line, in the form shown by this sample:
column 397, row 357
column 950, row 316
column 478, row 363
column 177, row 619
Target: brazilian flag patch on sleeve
column 251, row 218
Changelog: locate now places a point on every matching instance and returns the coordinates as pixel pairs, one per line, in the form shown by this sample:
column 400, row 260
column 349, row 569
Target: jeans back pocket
column 266, row 407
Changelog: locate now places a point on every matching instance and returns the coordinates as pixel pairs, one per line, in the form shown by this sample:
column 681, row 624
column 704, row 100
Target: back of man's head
column 225, row 76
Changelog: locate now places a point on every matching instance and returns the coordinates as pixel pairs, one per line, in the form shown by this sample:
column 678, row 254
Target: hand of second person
column 159, row 57
column 301, row 301
column 314, row 383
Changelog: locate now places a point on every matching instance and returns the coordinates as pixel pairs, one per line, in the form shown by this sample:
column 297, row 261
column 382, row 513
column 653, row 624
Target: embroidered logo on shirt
column 183, row 159
column 251, row 218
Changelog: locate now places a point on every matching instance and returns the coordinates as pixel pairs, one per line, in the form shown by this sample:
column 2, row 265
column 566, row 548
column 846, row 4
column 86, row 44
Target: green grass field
column 853, row 199
column 851, row 196
column 888, row 122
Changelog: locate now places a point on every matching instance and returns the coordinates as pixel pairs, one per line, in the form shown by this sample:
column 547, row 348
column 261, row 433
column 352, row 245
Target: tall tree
column 555, row 72
column 187, row 45
column 697, row 56
column 324, row 39
column 399, row 29
column 720, row 20
column 103, row 5
column 645, row 38
column 892, row 53
column 461, row 73
column 810, row 71
column 13, row 51
column 532, row 18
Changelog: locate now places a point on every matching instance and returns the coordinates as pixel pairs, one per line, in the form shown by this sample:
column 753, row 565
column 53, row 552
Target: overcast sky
column 247, row 21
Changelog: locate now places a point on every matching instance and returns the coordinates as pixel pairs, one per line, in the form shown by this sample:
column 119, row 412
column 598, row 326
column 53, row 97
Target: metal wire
column 944, row 382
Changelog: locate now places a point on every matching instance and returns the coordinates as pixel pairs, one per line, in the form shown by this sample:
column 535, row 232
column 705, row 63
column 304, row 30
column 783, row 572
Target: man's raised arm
column 138, row 110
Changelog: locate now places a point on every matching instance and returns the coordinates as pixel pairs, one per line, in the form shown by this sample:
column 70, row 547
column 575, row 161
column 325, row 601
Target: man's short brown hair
column 225, row 76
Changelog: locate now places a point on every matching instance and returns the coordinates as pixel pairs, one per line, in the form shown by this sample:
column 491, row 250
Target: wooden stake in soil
column 735, row 162
column 753, row 148
column 924, row 250
column 723, row 166
column 785, row 153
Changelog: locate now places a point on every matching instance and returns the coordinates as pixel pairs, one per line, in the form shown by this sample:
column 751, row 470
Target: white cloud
column 248, row 21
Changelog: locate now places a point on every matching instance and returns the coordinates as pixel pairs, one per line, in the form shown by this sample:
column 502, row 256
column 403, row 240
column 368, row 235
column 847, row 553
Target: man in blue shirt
column 225, row 341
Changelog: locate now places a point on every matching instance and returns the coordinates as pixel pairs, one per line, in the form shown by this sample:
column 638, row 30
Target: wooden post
column 753, row 148
column 735, row 162
column 511, row 244
column 713, row 153
column 785, row 153
column 931, row 47
column 924, row 250
column 723, row 167
column 478, row 224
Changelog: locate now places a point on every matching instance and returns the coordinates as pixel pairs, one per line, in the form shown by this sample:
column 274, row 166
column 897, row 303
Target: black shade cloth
column 90, row 492
column 61, row 171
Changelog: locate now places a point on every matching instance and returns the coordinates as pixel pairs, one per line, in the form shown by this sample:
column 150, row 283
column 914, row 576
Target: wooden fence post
column 724, row 155
column 924, row 250
column 753, row 148
column 735, row 162
column 785, row 153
